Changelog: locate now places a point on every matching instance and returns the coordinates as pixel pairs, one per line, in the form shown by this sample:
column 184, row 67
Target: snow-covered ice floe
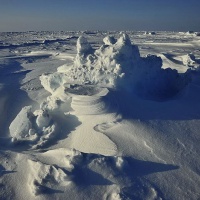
column 107, row 114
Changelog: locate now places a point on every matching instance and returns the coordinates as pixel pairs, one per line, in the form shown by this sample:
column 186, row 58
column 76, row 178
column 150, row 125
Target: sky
column 67, row 15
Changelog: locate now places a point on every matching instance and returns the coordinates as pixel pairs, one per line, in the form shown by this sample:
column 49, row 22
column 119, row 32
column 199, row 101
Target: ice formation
column 197, row 33
column 85, row 85
column 96, row 136
column 117, row 64
column 150, row 33
column 36, row 128
column 89, row 100
column 190, row 61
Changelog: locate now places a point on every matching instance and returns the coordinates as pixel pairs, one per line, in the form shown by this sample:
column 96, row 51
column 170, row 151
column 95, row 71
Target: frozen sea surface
column 96, row 118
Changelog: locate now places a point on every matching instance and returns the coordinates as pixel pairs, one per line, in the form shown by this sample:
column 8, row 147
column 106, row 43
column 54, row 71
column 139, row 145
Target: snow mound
column 63, row 157
column 45, row 176
column 117, row 64
column 197, row 33
column 189, row 32
column 150, row 33
column 190, row 61
column 89, row 99
column 36, row 128
column 71, row 169
column 85, row 89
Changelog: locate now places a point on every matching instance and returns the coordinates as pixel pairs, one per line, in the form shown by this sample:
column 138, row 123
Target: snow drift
column 29, row 127
column 84, row 86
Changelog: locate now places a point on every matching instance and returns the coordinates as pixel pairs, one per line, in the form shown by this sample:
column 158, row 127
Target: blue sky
column 23, row 15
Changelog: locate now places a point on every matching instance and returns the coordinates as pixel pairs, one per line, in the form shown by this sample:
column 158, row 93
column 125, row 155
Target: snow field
column 112, row 123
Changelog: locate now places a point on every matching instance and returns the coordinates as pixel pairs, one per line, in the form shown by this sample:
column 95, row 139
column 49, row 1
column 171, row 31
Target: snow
column 37, row 127
column 99, row 115
column 21, row 126
column 150, row 33
column 117, row 64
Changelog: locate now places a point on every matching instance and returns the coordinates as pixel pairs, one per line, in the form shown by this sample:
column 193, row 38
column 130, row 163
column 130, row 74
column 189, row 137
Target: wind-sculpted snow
column 85, row 88
column 89, row 100
column 117, row 64
column 109, row 124
column 190, row 61
column 73, row 169
column 35, row 128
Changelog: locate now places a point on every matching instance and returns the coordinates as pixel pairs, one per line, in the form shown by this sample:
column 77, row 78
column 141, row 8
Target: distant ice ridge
column 117, row 64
